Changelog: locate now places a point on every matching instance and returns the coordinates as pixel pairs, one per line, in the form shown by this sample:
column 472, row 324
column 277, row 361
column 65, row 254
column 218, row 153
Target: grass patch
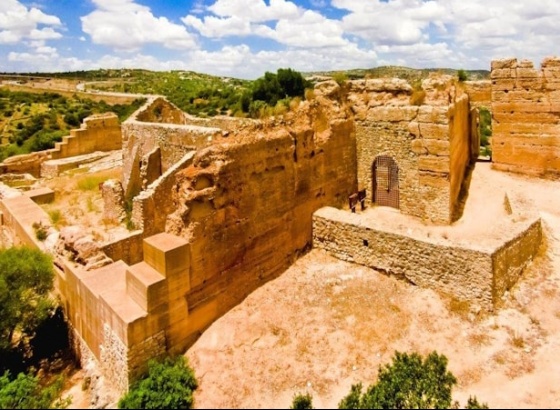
column 92, row 182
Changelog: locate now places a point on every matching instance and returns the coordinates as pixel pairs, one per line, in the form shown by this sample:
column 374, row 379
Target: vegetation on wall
column 32, row 122
column 169, row 384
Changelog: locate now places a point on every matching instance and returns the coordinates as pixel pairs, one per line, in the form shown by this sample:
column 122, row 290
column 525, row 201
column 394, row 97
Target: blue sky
column 245, row 38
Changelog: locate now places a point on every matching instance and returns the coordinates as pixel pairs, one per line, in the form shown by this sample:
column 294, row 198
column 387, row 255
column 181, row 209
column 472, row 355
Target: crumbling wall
column 526, row 116
column 152, row 206
column 417, row 137
column 25, row 163
column 245, row 203
column 174, row 141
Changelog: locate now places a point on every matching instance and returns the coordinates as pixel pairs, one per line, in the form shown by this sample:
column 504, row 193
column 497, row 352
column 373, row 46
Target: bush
column 462, row 75
column 26, row 278
column 408, row 382
column 168, row 385
column 302, row 401
column 25, row 392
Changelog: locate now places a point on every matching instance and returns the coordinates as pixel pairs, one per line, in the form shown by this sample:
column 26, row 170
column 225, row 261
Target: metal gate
column 385, row 178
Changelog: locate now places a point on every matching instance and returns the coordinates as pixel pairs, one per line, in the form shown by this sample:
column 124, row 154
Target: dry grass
column 417, row 97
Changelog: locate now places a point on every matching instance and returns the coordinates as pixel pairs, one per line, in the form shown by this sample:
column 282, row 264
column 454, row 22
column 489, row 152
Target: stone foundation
column 467, row 272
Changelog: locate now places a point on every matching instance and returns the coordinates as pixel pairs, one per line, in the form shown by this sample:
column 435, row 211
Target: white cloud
column 255, row 11
column 126, row 25
column 294, row 26
column 216, row 27
column 17, row 23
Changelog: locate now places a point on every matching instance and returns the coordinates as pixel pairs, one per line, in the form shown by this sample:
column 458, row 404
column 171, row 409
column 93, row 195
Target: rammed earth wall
column 526, row 116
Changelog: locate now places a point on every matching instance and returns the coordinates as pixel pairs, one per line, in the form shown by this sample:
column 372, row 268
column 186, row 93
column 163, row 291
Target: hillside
column 406, row 73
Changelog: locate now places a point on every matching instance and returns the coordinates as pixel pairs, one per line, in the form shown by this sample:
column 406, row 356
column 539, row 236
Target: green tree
column 25, row 392
column 462, row 75
column 168, row 385
column 302, row 401
column 409, row 382
column 26, row 278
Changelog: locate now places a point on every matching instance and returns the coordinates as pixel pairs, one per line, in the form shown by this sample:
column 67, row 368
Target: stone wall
column 429, row 142
column 526, row 116
column 174, row 141
column 25, row 163
column 152, row 206
column 246, row 202
column 469, row 273
column 127, row 249
column 479, row 92
column 99, row 132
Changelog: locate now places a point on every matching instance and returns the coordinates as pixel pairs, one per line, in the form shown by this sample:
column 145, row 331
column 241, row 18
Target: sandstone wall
column 174, row 141
column 526, row 116
column 152, row 206
column 127, row 249
column 479, row 92
column 100, row 132
column 468, row 273
column 460, row 146
column 428, row 142
column 25, row 163
column 245, row 204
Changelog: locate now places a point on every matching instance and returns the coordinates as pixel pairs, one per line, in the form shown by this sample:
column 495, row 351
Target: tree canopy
column 168, row 385
column 26, row 278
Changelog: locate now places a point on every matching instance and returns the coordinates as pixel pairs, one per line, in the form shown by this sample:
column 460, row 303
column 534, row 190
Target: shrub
column 302, row 401
column 340, row 77
column 25, row 392
column 168, row 385
column 462, row 75
column 408, row 382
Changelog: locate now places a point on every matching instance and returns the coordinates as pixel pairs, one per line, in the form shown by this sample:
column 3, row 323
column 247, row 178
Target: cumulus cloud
column 18, row 22
column 126, row 25
column 294, row 26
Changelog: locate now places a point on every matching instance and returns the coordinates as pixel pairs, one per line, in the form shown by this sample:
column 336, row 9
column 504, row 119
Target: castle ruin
column 222, row 206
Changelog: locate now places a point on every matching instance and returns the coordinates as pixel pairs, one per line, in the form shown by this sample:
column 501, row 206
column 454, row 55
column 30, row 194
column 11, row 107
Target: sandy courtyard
column 326, row 324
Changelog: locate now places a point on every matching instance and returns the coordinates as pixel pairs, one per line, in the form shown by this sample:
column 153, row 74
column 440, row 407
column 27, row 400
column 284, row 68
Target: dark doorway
column 385, row 179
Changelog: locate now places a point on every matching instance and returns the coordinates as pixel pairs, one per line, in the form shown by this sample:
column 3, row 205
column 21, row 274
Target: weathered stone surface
column 504, row 63
column 467, row 272
column 113, row 201
column 526, row 112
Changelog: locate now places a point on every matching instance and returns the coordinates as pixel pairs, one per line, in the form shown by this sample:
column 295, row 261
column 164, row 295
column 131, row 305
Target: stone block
column 437, row 147
column 167, row 254
column 41, row 195
column 434, row 131
column 503, row 73
column 527, row 73
column 433, row 164
column 550, row 62
column 434, row 115
column 433, row 179
column 503, row 63
column 146, row 286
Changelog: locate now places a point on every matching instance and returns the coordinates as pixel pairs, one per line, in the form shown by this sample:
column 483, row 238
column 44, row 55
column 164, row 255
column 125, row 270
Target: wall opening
column 385, row 180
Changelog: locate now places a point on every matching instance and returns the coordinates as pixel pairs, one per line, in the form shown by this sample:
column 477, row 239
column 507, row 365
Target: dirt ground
column 326, row 324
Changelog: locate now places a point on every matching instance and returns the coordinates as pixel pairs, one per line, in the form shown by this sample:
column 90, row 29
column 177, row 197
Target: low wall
column 127, row 249
column 468, row 273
